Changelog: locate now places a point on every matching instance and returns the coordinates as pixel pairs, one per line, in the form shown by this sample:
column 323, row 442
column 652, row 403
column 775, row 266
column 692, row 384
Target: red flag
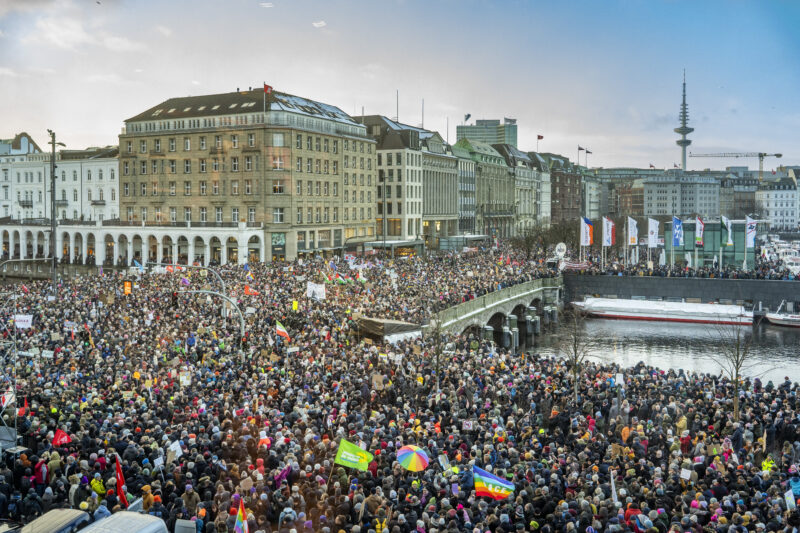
column 24, row 408
column 120, row 482
column 652, row 165
column 169, row 268
column 61, row 438
column 25, row 289
column 250, row 292
column 539, row 137
column 267, row 89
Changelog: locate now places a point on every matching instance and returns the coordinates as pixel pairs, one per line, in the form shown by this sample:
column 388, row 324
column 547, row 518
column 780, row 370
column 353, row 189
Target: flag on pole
column 61, row 438
column 489, row 485
column 267, row 88
column 241, row 519
column 139, row 265
column 699, row 228
column 185, row 281
column 89, row 331
column 123, row 499
column 246, row 267
column 24, row 409
column 587, row 232
column 609, row 232
column 8, row 398
column 466, row 117
column 352, row 456
column 726, row 225
column 539, row 137
column 652, row 165
column 750, row 232
column 281, row 331
column 652, row 233
column 633, row 232
column 250, row 276
column 677, row 232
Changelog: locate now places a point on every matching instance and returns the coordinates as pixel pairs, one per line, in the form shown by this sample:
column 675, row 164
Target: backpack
column 380, row 525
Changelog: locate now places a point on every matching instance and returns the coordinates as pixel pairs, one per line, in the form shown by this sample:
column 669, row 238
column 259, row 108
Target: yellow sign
column 294, row 305
column 136, row 375
column 127, row 287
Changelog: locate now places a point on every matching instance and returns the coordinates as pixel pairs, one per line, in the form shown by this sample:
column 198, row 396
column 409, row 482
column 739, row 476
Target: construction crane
column 759, row 155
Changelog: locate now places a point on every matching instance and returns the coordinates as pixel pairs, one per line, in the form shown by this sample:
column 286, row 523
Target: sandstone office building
column 302, row 171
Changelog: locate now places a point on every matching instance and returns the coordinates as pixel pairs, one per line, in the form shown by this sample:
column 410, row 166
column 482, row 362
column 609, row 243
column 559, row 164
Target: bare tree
column 575, row 345
column 735, row 357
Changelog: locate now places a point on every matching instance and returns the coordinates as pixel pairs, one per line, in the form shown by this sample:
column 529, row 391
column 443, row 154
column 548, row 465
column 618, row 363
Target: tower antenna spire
column 684, row 129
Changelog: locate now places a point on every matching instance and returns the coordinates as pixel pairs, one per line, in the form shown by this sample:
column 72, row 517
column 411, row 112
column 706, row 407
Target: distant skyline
column 602, row 75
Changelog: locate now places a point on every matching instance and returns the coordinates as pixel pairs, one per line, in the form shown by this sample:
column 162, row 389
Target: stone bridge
column 493, row 309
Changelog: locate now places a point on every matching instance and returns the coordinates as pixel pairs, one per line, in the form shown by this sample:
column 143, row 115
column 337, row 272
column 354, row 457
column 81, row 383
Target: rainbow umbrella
column 412, row 458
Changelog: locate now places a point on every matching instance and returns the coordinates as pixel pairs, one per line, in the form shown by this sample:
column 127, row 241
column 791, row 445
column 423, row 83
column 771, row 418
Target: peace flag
column 351, row 455
column 241, row 520
column 490, row 485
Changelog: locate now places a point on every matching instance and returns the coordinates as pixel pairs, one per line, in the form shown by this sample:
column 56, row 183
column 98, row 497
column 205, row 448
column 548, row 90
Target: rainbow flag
column 241, row 520
column 489, row 485
column 250, row 276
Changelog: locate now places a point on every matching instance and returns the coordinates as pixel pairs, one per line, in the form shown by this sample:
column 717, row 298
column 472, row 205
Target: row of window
column 158, row 216
column 28, row 176
column 187, row 188
column 172, row 143
column 321, row 145
column 28, row 195
column 172, row 165
column 311, row 143
column 321, row 215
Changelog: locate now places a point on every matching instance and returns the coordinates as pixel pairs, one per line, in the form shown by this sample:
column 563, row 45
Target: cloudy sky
column 605, row 75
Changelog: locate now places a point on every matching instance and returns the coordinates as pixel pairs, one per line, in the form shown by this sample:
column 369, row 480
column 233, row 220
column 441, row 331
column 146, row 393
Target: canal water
column 775, row 350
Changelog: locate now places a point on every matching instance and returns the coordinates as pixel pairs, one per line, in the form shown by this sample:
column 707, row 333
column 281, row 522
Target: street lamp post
column 53, row 144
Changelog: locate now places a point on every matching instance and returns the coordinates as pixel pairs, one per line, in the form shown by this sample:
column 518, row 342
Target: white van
column 128, row 522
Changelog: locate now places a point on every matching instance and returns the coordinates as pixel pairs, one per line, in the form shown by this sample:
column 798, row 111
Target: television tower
column 684, row 130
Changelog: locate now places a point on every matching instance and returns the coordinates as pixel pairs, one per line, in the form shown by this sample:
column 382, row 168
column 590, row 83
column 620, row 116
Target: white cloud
column 163, row 30
column 61, row 32
column 105, row 78
column 10, row 73
column 320, row 24
column 266, row 4
column 7, row 6
column 121, row 44
column 195, row 82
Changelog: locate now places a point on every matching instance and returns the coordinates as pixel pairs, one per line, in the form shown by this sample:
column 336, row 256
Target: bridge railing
column 453, row 314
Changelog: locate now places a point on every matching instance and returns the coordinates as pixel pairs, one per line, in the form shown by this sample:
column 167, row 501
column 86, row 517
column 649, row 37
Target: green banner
column 351, row 455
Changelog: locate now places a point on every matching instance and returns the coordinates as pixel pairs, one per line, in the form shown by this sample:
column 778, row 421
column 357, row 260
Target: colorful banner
column 652, row 233
column 609, row 233
column 351, row 455
column 750, row 232
column 677, row 232
column 489, row 485
column 633, row 232
column 699, row 228
column 587, row 232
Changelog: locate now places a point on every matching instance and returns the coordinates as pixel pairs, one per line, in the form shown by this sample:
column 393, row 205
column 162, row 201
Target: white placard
column 159, row 462
column 176, row 448
column 790, row 503
column 686, row 474
column 48, row 354
column 23, row 321
column 315, row 291
column 293, row 349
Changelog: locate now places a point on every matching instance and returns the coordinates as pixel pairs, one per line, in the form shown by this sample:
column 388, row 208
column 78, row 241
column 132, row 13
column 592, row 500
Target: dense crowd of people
column 200, row 419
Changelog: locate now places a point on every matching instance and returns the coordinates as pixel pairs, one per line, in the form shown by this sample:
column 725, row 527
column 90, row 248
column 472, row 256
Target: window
column 248, row 163
column 325, row 145
column 248, row 186
column 203, row 214
column 388, row 159
column 299, row 218
column 336, row 167
column 154, row 166
column 344, row 147
column 218, row 141
column 143, row 167
column 203, row 142
column 143, row 212
column 173, row 167
column 325, row 214
column 309, row 187
column 187, row 166
column 158, row 214
column 129, row 146
column 187, row 214
column 335, row 189
column 309, row 215
column 142, row 147
column 234, row 164
column 153, row 189
column 325, row 189
column 299, row 166
column 202, row 165
column 235, row 187
column 172, row 145
column 318, row 188
column 308, row 143
column 125, row 190
column 234, row 214
column 299, row 142
column 203, row 188
column 325, row 167
column 308, row 165
column 277, row 187
column 277, row 162
column 218, row 214
column 113, row 194
column 277, row 215
column 335, row 146
column 89, row 194
column 215, row 187
column 317, row 166
column 298, row 188
column 143, row 187
column 346, row 178
column 187, row 144
column 187, row 188
column 235, row 141
column 75, row 174
column 277, row 140
column 336, row 214
column 128, row 213
column 251, row 141
column 251, row 214
column 215, row 164
column 317, row 215
column 316, row 144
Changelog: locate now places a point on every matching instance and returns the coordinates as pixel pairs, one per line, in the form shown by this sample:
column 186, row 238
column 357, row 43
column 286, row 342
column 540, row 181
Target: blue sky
column 606, row 75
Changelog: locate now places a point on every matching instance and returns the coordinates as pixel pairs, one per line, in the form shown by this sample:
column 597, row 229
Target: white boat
column 783, row 319
column 662, row 311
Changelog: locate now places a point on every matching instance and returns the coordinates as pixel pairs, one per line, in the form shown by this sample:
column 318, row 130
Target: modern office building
column 301, row 171
column 489, row 131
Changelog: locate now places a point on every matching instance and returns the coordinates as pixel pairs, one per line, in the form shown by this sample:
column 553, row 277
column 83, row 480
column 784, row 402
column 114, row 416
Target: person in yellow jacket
column 768, row 465
column 97, row 485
